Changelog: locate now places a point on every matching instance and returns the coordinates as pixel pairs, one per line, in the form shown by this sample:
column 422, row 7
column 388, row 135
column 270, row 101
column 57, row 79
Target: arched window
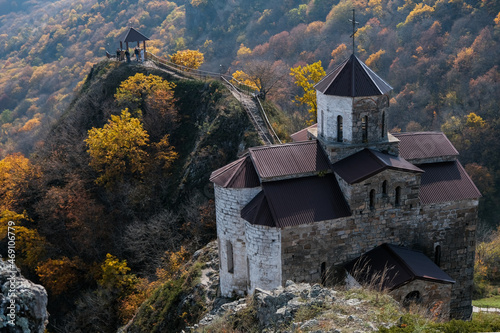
column 229, row 254
column 413, row 297
column 384, row 187
column 383, row 125
column 340, row 129
column 437, row 255
column 372, row 199
column 397, row 200
column 364, row 128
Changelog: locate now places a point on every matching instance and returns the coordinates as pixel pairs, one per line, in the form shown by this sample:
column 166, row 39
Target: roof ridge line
column 372, row 72
column 376, row 158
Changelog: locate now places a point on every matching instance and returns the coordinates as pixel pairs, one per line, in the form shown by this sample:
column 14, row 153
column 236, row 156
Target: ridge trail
column 250, row 104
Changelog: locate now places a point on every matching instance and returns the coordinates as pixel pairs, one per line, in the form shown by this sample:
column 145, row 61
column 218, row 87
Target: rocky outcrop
column 303, row 307
column 23, row 304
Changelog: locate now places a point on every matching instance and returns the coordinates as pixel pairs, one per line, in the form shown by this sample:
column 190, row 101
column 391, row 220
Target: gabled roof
column 393, row 266
column 446, row 181
column 302, row 134
column 352, row 78
column 419, row 145
column 238, row 174
column 133, row 35
column 300, row 158
column 367, row 163
column 297, row 201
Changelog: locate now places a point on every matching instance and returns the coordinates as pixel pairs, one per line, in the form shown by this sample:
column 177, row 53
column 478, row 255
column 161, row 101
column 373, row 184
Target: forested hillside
column 119, row 180
column 80, row 213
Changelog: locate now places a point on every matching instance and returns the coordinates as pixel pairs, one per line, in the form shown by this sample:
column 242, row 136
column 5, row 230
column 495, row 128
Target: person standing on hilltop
column 136, row 52
column 142, row 55
column 127, row 55
column 118, row 54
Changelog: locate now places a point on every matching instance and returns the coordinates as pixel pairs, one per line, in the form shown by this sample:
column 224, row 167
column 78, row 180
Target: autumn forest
column 105, row 218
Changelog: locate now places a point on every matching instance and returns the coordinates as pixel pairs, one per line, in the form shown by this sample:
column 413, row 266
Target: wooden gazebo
column 131, row 36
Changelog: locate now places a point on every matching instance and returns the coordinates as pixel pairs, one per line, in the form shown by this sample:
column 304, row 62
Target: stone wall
column 374, row 108
column 231, row 236
column 329, row 108
column 358, row 194
column 452, row 226
column 433, row 296
column 352, row 111
column 333, row 243
column 264, row 257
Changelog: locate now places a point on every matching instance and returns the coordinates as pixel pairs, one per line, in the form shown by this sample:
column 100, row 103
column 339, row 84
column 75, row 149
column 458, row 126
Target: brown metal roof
column 238, row 174
column 446, row 181
column 303, row 200
column 133, row 35
column 393, row 266
column 302, row 134
column 424, row 145
column 300, row 158
column 352, row 78
column 367, row 163
column 257, row 211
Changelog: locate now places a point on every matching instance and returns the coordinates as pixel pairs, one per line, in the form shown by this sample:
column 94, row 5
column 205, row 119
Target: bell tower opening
column 364, row 128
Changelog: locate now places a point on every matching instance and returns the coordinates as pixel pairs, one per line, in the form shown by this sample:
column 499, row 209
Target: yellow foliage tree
column 173, row 262
column 243, row 51
column 152, row 90
column 115, row 274
column 27, row 244
column 244, row 78
column 60, row 275
column 192, row 59
column 420, row 10
column 373, row 59
column 306, row 77
column 16, row 171
column 118, row 149
column 165, row 153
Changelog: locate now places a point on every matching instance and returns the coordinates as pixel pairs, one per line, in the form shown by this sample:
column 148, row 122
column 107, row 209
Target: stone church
column 345, row 194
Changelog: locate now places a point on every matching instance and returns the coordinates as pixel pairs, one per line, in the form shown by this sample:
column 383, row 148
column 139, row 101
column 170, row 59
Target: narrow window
column 397, row 201
column 322, row 122
column 340, row 129
column 230, row 263
column 323, row 273
column 383, row 125
column 364, row 128
column 437, row 255
column 372, row 199
column 384, row 187
column 248, row 274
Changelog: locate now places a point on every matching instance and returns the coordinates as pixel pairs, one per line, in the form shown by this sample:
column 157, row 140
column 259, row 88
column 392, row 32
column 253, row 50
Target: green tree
column 118, row 149
column 306, row 77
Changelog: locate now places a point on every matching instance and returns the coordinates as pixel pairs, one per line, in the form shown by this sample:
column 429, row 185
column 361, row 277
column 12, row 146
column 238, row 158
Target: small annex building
column 347, row 190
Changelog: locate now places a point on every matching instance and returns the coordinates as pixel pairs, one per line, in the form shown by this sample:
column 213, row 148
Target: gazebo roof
column 133, row 35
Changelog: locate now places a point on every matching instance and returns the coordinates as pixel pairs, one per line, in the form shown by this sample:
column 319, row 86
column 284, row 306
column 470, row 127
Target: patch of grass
column 411, row 323
column 305, row 313
column 492, row 302
column 244, row 320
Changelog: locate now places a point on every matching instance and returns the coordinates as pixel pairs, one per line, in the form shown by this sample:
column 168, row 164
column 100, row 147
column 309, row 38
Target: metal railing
column 228, row 79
